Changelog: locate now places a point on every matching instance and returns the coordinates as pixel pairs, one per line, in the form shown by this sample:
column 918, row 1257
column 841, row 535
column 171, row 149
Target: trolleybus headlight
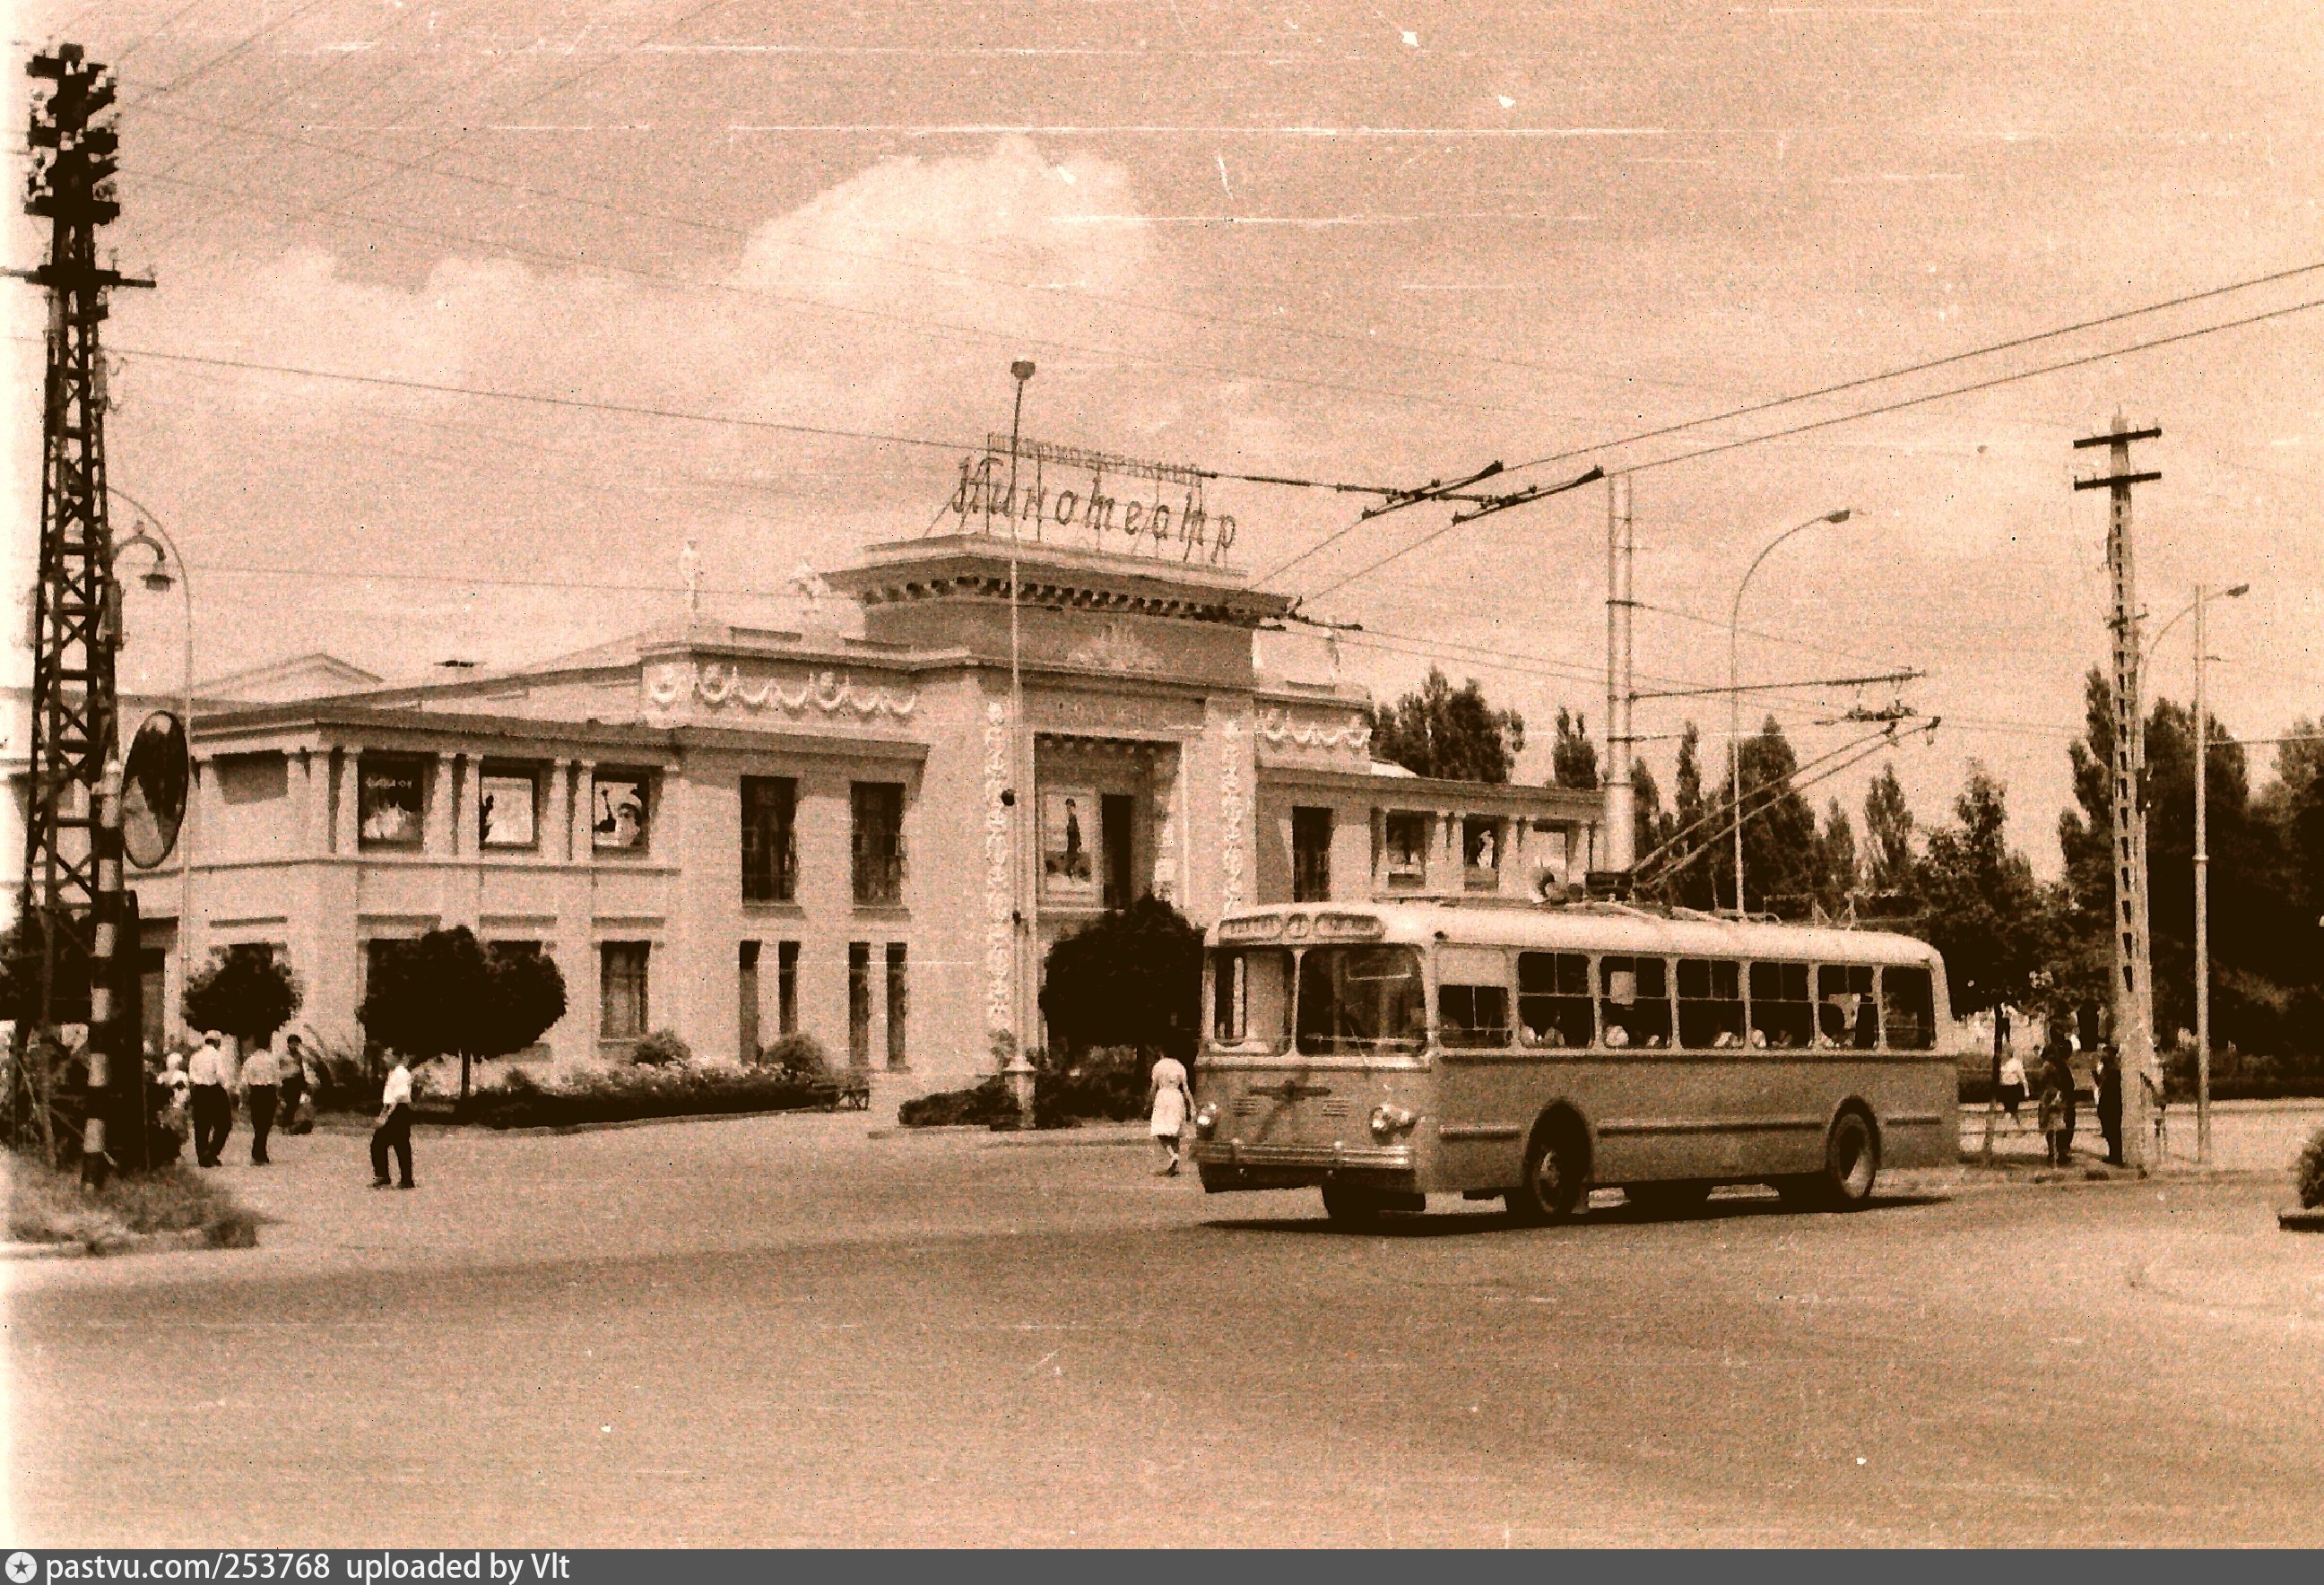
column 1388, row 1122
column 1206, row 1117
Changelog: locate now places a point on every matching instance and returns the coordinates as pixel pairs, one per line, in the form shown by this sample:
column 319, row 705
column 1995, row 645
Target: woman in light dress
column 1170, row 1101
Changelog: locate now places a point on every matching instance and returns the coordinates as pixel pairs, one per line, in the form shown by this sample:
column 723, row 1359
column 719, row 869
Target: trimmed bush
column 2308, row 1172
column 662, row 1049
column 626, row 1095
column 801, row 1055
column 1109, row 1085
column 990, row 1105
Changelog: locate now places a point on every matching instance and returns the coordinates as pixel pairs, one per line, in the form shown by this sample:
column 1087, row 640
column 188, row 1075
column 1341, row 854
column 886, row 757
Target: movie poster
column 389, row 804
column 504, row 812
column 617, row 812
column 1069, row 821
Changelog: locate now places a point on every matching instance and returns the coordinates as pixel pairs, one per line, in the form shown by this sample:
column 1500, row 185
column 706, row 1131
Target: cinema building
column 731, row 832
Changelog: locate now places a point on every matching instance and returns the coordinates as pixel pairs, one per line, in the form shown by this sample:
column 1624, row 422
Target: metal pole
column 1020, row 1061
column 186, row 827
column 2203, row 892
column 1621, row 793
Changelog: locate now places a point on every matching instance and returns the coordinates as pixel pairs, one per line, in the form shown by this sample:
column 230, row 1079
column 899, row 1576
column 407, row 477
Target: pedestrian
column 175, row 1114
column 262, row 1089
column 2108, row 1085
column 2057, row 1104
column 293, row 1084
column 211, row 1102
column 2012, row 1085
column 1170, row 1100
column 395, row 1130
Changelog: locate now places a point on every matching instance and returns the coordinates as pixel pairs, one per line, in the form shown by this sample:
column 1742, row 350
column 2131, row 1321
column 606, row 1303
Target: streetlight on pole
column 1735, row 690
column 1021, row 1069
column 159, row 578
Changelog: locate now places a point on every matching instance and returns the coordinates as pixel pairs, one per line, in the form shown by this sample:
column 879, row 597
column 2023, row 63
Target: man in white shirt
column 261, row 1090
column 395, row 1130
column 208, row 1099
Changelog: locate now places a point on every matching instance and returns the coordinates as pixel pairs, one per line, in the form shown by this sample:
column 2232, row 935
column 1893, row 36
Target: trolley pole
column 2132, row 954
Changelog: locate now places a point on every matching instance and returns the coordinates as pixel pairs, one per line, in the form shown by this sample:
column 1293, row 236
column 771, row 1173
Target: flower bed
column 628, row 1095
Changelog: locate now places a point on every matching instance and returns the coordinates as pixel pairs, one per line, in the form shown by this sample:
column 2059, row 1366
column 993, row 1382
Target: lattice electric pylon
column 72, row 890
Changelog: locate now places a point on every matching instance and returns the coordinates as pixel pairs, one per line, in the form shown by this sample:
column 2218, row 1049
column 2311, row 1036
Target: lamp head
column 1840, row 516
column 1023, row 369
column 159, row 579
column 2238, row 593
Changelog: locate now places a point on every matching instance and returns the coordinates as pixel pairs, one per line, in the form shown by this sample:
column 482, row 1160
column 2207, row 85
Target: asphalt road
column 783, row 1332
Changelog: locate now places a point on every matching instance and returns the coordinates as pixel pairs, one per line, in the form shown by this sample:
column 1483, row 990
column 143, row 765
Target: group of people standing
column 202, row 1093
column 2055, row 1092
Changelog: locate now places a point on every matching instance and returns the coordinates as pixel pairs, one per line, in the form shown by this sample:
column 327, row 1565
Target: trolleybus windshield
column 1355, row 1001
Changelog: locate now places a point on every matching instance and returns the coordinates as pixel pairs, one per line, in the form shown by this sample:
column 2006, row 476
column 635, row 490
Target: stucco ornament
column 1166, row 826
column 834, row 693
column 1234, row 813
column 1117, row 648
column 999, row 924
column 1278, row 727
column 668, row 684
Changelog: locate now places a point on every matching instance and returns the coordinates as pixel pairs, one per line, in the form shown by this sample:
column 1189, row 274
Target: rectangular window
column 1710, row 1004
column 1356, row 1000
column 1116, row 814
column 1473, row 997
column 152, row 988
column 859, row 1003
column 1251, row 998
column 620, row 811
column 391, row 799
column 787, row 987
column 899, row 1006
column 878, row 841
column 622, row 1014
column 1908, row 1006
column 746, row 1001
column 507, row 804
column 1405, row 860
column 1848, row 1013
column 1311, row 855
column 1480, row 852
column 1781, row 1014
column 1634, row 1001
column 770, row 806
column 1553, row 997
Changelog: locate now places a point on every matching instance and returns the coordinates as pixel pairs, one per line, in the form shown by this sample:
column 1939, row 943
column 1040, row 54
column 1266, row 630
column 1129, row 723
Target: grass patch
column 46, row 1206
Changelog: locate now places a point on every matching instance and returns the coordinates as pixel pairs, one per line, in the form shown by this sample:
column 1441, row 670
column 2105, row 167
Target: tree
column 1780, row 858
column 1444, row 732
column 1572, row 757
column 1132, row 977
column 19, row 976
column 1982, row 908
column 445, row 993
column 244, row 991
column 1690, row 830
column 1649, row 827
column 1888, row 835
column 1837, row 878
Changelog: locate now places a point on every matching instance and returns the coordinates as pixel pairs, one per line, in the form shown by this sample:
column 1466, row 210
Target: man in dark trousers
column 395, row 1130
column 210, row 1100
column 2108, row 1085
column 262, row 1089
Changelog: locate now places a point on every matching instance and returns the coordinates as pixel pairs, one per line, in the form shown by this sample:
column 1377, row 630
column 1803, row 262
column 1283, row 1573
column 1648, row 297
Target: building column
column 315, row 783
column 584, row 775
column 350, row 801
column 467, row 830
column 556, row 843
column 438, row 830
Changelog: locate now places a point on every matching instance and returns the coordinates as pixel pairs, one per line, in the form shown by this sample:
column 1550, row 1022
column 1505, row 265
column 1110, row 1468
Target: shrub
column 799, row 1055
column 991, row 1104
column 1109, row 1085
column 662, row 1049
column 2308, row 1172
column 446, row 993
column 622, row 1095
column 1131, row 978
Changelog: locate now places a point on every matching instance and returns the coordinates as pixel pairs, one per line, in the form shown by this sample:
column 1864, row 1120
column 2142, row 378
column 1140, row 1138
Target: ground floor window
column 621, row 1009
column 898, row 995
column 787, row 987
column 859, row 1003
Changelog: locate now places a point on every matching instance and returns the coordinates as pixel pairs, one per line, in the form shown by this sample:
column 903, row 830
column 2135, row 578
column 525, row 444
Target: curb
column 2300, row 1221
column 647, row 1122
column 128, row 1244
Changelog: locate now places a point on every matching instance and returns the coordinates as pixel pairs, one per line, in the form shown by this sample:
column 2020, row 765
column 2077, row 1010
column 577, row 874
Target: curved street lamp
column 1735, row 691
column 159, row 578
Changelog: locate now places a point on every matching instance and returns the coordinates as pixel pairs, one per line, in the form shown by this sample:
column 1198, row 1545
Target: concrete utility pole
column 1621, row 794
column 2203, row 871
column 2132, row 955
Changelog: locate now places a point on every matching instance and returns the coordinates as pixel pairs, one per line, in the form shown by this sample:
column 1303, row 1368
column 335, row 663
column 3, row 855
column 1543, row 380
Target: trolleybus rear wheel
column 1851, row 1165
column 1556, row 1173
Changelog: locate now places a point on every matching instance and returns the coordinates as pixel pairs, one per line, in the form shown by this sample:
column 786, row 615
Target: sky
column 1354, row 243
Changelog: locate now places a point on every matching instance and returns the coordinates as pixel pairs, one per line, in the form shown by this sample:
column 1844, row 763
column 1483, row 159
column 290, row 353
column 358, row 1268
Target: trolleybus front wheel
column 1358, row 1210
column 1556, row 1173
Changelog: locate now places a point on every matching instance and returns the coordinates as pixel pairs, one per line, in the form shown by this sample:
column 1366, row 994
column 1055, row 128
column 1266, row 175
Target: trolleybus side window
column 1358, row 999
column 1473, row 997
column 1846, row 1012
column 1251, row 998
column 1908, row 1005
column 1781, row 1014
column 1634, row 1001
column 1710, row 1004
column 1553, row 997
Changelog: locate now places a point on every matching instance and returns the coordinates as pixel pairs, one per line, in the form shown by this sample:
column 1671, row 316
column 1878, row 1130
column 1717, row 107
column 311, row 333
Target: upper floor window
column 391, row 799
column 878, row 841
column 507, row 800
column 1405, row 839
column 1480, row 852
column 1311, row 855
column 769, row 858
column 621, row 810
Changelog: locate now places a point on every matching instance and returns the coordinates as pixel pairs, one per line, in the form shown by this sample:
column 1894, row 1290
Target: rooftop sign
column 1095, row 499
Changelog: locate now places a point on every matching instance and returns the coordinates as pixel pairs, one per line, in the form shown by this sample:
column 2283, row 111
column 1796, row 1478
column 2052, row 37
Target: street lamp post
column 1021, row 1067
column 159, row 578
column 1735, row 690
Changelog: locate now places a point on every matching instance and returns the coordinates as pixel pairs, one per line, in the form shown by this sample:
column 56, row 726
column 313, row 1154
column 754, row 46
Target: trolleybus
column 1390, row 1051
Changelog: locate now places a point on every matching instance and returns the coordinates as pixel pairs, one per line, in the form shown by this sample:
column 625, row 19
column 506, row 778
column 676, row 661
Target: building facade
column 872, row 836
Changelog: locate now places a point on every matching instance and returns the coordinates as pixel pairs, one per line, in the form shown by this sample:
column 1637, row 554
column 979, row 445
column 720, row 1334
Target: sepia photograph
column 788, row 775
